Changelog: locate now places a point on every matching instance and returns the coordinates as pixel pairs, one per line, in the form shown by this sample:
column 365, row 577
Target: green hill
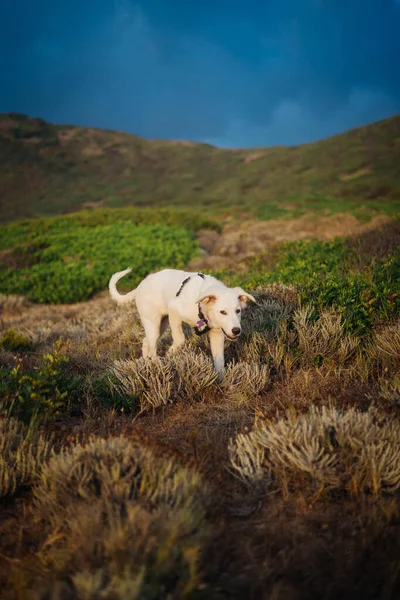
column 47, row 169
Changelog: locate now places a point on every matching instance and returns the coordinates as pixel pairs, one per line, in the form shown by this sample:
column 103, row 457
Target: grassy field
column 126, row 478
column 48, row 170
column 123, row 478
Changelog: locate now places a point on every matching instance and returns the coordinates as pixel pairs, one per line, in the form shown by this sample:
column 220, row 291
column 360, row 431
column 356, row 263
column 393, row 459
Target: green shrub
column 67, row 262
column 15, row 233
column 326, row 275
column 14, row 341
column 106, row 390
column 40, row 393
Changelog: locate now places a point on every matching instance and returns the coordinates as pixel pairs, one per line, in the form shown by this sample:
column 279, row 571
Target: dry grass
column 22, row 454
column 13, row 305
column 158, row 381
column 250, row 238
column 243, row 382
column 299, row 447
column 120, row 522
column 385, row 348
column 332, row 449
column 325, row 339
column 118, row 469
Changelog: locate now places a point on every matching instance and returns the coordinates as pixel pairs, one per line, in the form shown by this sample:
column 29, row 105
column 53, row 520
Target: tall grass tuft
column 122, row 521
column 186, row 375
column 328, row 448
column 22, row 455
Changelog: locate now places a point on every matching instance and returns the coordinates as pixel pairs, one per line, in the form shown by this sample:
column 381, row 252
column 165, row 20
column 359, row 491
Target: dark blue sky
column 233, row 73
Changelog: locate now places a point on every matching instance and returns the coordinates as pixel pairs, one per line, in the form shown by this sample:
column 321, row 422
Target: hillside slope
column 47, row 169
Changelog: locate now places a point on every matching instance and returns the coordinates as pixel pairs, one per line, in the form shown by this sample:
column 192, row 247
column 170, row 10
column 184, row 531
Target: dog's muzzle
column 232, row 338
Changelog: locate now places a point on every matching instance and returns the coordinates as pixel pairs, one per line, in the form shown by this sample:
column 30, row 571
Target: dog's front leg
column 217, row 340
column 178, row 337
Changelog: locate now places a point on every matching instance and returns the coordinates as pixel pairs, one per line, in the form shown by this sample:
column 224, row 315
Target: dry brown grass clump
column 13, row 304
column 328, row 448
column 186, row 375
column 121, row 522
column 324, row 339
column 117, row 468
column 22, row 454
column 385, row 349
column 244, row 381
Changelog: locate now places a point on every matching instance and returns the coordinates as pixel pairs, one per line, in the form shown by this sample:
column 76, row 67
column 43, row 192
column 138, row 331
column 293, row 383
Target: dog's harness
column 202, row 324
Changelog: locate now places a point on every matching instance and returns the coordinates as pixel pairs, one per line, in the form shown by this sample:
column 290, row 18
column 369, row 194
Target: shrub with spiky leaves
column 117, row 468
column 186, row 375
column 274, row 305
column 22, row 455
column 385, row 347
column 243, row 381
column 331, row 449
column 323, row 339
column 307, row 339
column 122, row 522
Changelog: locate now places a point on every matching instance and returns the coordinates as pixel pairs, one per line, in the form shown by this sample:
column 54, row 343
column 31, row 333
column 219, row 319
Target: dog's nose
column 236, row 330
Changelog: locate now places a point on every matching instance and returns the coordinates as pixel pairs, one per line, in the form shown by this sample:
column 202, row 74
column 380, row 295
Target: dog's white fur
column 156, row 299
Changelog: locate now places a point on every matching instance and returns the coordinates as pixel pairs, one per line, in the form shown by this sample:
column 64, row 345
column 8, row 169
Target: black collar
column 202, row 324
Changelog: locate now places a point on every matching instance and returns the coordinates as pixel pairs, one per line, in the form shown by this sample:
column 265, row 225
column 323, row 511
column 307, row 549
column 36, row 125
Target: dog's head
column 223, row 309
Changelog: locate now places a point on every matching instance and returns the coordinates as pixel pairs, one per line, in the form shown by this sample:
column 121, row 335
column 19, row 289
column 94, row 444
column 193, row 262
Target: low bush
column 122, row 522
column 156, row 382
column 14, row 341
column 39, row 393
column 66, row 262
column 327, row 276
column 22, row 455
column 327, row 448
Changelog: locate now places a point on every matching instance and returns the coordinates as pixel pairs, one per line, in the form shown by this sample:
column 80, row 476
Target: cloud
column 293, row 123
column 245, row 74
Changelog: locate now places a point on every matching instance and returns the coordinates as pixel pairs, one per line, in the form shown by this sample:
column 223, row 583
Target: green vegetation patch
column 65, row 260
column 40, row 393
column 13, row 341
column 327, row 275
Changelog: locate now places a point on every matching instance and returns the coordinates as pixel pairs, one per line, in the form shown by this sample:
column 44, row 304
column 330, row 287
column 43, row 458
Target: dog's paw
column 220, row 377
column 172, row 349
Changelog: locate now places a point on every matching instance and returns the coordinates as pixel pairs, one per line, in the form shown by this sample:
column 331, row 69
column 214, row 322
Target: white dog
column 199, row 300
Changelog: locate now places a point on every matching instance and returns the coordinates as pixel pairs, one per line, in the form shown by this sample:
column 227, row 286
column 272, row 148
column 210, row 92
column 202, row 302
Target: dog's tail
column 114, row 293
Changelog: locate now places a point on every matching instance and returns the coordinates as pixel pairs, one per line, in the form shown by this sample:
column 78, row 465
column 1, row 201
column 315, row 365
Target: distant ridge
column 50, row 169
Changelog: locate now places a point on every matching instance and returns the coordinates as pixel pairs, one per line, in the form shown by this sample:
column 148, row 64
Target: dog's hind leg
column 152, row 331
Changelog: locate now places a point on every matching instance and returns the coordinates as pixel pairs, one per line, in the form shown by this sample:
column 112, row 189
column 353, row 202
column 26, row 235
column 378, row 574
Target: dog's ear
column 207, row 299
column 243, row 296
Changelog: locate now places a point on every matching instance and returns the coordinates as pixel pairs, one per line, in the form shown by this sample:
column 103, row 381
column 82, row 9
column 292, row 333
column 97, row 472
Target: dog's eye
column 223, row 312
column 238, row 311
